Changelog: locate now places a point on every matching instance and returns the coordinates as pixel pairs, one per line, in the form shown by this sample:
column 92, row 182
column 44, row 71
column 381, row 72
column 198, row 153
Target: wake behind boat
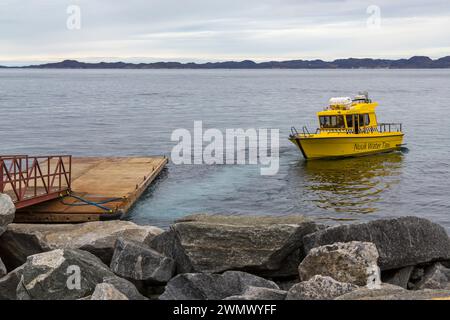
column 348, row 128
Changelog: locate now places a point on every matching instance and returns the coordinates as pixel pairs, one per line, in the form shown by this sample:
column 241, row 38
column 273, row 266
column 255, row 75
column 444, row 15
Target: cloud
column 200, row 30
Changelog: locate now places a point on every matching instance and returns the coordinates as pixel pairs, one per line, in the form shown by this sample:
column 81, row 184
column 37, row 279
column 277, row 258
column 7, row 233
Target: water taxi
column 348, row 128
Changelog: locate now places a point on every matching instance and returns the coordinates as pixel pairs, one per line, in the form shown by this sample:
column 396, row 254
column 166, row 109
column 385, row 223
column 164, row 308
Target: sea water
column 134, row 112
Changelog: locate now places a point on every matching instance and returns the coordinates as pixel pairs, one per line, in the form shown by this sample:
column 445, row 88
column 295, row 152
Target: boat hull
column 322, row 147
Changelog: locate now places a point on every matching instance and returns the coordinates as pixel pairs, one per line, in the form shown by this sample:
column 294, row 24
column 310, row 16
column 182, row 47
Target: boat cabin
column 344, row 114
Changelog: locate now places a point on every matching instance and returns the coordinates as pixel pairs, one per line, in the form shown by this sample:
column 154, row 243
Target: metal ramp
column 30, row 180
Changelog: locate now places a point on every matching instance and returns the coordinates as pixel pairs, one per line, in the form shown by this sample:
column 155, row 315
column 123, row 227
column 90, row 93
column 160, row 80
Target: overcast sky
column 217, row 30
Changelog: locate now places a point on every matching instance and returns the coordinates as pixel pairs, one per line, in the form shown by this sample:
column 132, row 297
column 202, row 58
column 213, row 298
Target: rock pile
column 99, row 238
column 222, row 257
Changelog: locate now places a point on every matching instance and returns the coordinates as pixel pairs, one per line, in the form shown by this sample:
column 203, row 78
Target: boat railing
column 305, row 132
column 381, row 128
column 390, row 127
column 294, row 132
column 334, row 130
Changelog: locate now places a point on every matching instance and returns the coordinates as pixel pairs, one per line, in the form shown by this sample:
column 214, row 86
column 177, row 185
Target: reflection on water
column 352, row 185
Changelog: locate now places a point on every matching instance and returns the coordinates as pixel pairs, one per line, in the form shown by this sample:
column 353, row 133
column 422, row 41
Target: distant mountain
column 416, row 62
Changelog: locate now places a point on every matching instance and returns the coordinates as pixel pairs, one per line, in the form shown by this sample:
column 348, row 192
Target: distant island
column 416, row 62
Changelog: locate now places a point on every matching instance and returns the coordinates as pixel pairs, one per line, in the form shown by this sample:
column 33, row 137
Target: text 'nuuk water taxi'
column 348, row 128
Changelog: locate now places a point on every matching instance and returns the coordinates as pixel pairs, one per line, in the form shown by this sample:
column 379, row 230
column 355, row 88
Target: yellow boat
column 348, row 128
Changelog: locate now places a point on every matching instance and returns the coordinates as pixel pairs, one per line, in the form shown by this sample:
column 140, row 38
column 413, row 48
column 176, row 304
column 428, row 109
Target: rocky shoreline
column 224, row 257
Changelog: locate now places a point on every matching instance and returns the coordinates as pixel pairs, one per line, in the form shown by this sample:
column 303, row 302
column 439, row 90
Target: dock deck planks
column 97, row 179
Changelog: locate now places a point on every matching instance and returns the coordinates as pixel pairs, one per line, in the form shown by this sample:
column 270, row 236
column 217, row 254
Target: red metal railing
column 31, row 180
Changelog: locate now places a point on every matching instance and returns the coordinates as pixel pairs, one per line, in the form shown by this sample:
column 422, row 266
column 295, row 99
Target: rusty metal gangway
column 30, row 180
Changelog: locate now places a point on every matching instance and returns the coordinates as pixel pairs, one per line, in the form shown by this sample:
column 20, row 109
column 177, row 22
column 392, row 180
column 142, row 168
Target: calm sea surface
column 133, row 112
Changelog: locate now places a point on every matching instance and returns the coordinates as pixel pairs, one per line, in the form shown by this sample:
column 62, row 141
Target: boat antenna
column 365, row 94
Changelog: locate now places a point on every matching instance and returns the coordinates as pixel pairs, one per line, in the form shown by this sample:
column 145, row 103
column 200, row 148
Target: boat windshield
column 331, row 122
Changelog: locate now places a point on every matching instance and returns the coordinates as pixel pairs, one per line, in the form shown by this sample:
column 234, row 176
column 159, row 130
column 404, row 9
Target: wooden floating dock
column 116, row 183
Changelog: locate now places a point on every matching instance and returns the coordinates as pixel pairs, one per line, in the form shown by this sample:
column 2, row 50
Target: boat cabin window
column 349, row 119
column 360, row 120
column 364, row 119
column 332, row 122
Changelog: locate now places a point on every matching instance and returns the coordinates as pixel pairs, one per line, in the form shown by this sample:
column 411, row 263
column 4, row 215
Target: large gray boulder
column 208, row 286
column 61, row 275
column 400, row 242
column 258, row 293
column 319, row 288
column 135, row 261
column 106, row 291
column 262, row 245
column 7, row 212
column 22, row 240
column 9, row 283
column 353, row 262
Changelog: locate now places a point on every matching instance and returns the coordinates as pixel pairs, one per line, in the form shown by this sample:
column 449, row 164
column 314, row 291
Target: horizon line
column 224, row 61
